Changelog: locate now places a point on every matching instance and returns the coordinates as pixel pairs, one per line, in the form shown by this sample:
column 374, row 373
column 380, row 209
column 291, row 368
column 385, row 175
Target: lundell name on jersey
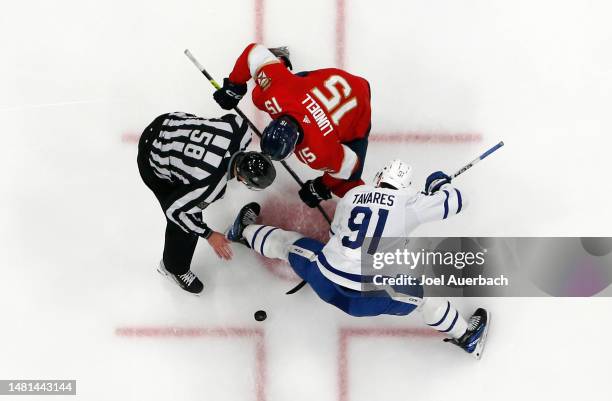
column 318, row 114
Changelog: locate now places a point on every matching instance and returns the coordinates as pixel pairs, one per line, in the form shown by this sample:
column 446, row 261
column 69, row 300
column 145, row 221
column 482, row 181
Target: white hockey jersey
column 367, row 211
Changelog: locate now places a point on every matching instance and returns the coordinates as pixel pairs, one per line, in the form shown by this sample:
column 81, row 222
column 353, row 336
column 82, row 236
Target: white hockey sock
column 269, row 241
column 439, row 314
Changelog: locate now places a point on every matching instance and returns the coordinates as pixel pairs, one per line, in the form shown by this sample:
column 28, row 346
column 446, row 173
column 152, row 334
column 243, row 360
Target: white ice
column 81, row 235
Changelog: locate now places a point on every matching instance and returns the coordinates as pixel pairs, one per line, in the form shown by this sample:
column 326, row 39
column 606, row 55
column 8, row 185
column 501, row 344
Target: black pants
column 178, row 245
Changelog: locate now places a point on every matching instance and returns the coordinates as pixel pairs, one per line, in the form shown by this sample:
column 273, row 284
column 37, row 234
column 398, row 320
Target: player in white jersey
column 389, row 208
column 392, row 207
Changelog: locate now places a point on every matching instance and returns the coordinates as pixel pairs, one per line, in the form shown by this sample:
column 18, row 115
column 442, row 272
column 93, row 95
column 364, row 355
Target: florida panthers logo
column 263, row 80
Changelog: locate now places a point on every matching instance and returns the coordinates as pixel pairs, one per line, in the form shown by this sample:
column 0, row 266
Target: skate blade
column 170, row 277
column 483, row 339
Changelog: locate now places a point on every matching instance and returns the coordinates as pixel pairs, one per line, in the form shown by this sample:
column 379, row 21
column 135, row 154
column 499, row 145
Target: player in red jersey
column 323, row 116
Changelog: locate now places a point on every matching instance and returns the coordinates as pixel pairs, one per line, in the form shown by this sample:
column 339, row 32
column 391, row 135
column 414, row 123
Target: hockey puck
column 260, row 315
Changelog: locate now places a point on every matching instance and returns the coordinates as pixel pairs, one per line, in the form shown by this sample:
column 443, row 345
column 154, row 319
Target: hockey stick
column 459, row 172
column 478, row 159
column 216, row 85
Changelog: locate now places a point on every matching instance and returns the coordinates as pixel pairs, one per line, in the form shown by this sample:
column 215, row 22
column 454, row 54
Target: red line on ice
column 259, row 20
column 346, row 333
column 259, row 8
column 340, row 33
column 412, row 137
column 130, row 137
column 207, row 332
column 415, row 137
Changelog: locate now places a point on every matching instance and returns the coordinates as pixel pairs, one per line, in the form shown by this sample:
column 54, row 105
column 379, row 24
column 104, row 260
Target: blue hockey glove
column 435, row 181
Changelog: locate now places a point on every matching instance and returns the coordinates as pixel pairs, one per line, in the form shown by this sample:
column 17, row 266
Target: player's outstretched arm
column 253, row 58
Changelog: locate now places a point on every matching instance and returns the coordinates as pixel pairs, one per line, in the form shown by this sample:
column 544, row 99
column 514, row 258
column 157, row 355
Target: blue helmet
column 280, row 137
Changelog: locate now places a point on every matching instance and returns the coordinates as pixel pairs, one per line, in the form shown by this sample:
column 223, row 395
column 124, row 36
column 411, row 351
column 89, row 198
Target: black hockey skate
column 473, row 341
column 188, row 282
column 247, row 215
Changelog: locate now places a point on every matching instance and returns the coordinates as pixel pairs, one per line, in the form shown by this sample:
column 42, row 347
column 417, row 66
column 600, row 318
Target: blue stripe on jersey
column 353, row 277
column 459, row 200
column 255, row 236
column 443, row 317
column 446, row 205
column 452, row 324
column 264, row 240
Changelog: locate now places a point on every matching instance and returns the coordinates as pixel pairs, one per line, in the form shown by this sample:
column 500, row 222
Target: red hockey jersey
column 331, row 106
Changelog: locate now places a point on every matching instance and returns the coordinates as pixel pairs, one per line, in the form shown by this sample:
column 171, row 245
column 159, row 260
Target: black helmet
column 255, row 170
column 280, row 137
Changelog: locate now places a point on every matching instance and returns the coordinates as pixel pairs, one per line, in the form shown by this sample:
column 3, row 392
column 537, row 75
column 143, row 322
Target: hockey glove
column 435, row 181
column 314, row 191
column 230, row 94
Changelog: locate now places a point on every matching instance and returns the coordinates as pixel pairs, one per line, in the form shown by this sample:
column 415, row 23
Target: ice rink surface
column 81, row 235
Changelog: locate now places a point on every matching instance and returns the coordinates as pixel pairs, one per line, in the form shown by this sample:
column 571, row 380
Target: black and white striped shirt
column 194, row 153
